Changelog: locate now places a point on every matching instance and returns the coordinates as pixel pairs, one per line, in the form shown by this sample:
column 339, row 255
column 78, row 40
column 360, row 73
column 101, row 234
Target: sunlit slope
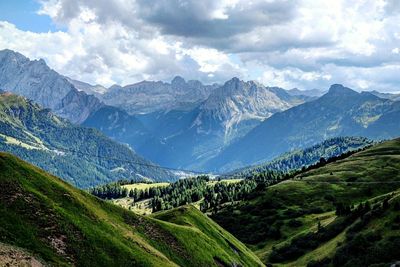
column 65, row 226
column 296, row 209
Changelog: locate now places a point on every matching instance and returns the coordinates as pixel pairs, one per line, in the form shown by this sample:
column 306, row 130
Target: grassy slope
column 63, row 225
column 312, row 202
column 191, row 218
column 143, row 186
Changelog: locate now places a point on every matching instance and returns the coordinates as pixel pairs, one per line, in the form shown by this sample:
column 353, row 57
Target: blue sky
column 23, row 14
column 293, row 43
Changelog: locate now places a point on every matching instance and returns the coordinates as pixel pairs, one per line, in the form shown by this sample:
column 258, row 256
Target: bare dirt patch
column 13, row 256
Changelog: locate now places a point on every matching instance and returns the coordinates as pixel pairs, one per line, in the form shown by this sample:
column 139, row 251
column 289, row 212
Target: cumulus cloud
column 304, row 44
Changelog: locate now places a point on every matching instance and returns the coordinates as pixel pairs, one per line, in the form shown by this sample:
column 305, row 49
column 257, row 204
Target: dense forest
column 211, row 194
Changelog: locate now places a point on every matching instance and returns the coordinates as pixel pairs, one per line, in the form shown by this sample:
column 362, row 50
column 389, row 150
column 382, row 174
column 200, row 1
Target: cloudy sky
column 289, row 43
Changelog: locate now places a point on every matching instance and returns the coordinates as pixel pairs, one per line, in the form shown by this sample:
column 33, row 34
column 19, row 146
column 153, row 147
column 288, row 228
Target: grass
column 144, row 186
column 66, row 226
column 189, row 217
column 141, row 207
column 13, row 141
column 308, row 202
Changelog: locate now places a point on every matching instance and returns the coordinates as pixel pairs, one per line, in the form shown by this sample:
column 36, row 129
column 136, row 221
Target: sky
column 303, row 44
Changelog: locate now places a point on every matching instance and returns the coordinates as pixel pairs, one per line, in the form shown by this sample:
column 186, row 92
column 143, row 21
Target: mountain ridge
column 340, row 112
column 35, row 80
column 79, row 155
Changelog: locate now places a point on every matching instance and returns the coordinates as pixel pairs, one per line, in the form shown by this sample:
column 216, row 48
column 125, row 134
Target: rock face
column 235, row 104
column 36, row 81
column 88, row 88
column 149, row 96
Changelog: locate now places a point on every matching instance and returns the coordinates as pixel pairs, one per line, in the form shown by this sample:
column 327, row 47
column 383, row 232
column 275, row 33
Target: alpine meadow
column 204, row 133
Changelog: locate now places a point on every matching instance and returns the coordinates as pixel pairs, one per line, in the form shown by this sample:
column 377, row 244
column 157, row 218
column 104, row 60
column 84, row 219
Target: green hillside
column 82, row 156
column 63, row 226
column 300, row 158
column 325, row 213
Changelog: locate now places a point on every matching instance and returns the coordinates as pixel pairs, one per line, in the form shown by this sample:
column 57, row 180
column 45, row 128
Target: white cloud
column 305, row 44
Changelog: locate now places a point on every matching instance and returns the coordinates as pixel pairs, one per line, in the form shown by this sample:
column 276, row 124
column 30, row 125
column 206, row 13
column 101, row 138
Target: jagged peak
column 233, row 80
column 9, row 51
column 178, row 80
column 10, row 54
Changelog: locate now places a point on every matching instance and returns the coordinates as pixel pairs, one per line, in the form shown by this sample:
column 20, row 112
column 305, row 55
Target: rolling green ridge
column 322, row 215
column 77, row 154
column 305, row 157
column 66, row 226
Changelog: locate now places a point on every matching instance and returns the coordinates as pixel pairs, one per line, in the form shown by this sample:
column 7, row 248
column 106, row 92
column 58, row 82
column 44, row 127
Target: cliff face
column 36, row 81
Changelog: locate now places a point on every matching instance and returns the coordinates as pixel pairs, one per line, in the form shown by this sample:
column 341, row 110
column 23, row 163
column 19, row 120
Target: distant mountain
column 188, row 137
column 119, row 125
column 35, row 80
column 88, row 88
column 309, row 93
column 237, row 105
column 81, row 156
column 394, row 97
column 64, row 226
column 340, row 112
column 149, row 96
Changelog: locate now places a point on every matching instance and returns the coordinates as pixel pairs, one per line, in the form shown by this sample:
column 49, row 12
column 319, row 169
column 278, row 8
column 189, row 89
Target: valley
column 183, row 173
column 66, row 226
column 206, row 133
column 316, row 216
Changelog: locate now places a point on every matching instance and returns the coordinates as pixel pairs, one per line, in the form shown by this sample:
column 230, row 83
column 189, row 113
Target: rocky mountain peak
column 38, row 82
column 339, row 89
column 178, row 81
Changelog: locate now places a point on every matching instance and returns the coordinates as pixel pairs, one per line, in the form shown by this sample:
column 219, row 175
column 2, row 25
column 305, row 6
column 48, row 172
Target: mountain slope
column 88, row 88
column 317, row 215
column 65, row 226
column 35, row 80
column 119, row 125
column 340, row 112
column 237, row 103
column 300, row 158
column 81, row 156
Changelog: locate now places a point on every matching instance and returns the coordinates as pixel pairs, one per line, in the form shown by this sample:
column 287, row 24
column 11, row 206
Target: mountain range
column 340, row 112
column 314, row 184
column 186, row 137
column 219, row 127
column 149, row 96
